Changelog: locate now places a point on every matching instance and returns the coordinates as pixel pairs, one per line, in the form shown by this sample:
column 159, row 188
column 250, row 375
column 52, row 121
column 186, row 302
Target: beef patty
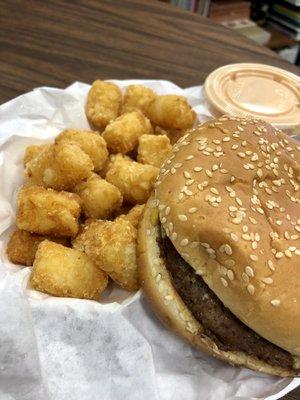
column 227, row 331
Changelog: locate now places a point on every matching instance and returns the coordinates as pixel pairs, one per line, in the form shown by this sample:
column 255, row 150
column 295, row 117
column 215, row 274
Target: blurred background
column 271, row 23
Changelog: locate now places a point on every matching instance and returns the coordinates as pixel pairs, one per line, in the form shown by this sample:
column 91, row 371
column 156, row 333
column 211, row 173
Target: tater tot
column 32, row 151
column 134, row 180
column 137, row 97
column 112, row 246
column 171, row 111
column 60, row 166
column 153, row 149
column 91, row 142
column 173, row 134
column 103, row 103
column 23, row 245
column 48, row 212
column 99, row 197
column 66, row 272
column 134, row 215
column 122, row 134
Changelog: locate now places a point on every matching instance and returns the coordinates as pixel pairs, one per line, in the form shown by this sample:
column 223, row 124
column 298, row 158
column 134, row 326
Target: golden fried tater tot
column 133, row 216
column 23, row 245
column 122, row 134
column 171, row 111
column 91, row 142
column 112, row 246
column 153, row 149
column 103, row 103
column 60, row 166
column 66, row 272
column 134, row 180
column 100, row 199
column 48, row 212
column 173, row 134
column 137, row 97
column 32, row 151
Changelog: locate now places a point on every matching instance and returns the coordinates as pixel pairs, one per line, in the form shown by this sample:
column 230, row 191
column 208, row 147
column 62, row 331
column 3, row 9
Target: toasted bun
column 229, row 201
column 170, row 308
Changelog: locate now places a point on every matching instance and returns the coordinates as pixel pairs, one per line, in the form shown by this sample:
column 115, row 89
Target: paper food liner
column 59, row 348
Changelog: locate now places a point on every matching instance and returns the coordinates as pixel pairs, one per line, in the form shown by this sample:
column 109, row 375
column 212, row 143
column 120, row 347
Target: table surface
column 55, row 42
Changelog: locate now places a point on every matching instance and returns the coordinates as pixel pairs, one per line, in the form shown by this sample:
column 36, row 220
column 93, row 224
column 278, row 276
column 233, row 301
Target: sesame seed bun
column 169, row 306
column 228, row 199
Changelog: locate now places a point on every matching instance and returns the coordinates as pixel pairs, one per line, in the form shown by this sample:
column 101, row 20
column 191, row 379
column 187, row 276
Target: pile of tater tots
column 78, row 211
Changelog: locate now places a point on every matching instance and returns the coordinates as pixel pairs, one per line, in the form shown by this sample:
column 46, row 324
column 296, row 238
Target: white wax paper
column 70, row 349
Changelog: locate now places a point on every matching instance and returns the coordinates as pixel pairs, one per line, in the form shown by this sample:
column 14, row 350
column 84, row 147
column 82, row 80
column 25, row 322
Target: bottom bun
column 169, row 306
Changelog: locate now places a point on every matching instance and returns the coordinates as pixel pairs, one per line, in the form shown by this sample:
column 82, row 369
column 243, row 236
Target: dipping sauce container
column 257, row 90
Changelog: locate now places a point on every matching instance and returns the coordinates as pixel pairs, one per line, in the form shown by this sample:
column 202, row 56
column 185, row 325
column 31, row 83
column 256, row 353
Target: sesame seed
column 253, row 220
column 236, row 221
column 182, row 217
column 279, row 255
column 184, row 242
column 228, row 249
column 267, row 281
column 163, row 220
column 173, row 170
column 232, row 208
column 171, row 226
column 189, row 182
column 292, row 248
column 189, row 157
column 187, row 175
column 180, row 196
column 294, row 237
column 208, row 173
column 253, row 257
column 230, row 275
column 260, row 210
column 192, row 210
column 167, row 212
column 251, row 289
column 194, row 244
column 205, row 245
column 245, row 277
column 241, row 154
column 223, row 171
column 177, row 165
column 224, row 282
column 249, row 271
column 214, row 190
column 198, row 169
column 174, row 236
column 234, row 146
column 226, row 139
column 271, row 265
column 210, row 251
column 254, row 245
column 297, row 228
column 288, row 253
column 239, row 201
column 275, row 302
column 234, row 237
column 214, row 167
column 161, row 207
column 245, row 228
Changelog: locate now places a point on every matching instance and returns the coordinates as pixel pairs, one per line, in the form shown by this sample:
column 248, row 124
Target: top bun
column 228, row 200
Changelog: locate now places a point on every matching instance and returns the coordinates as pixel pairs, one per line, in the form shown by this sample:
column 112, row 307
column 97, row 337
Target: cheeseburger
column 219, row 246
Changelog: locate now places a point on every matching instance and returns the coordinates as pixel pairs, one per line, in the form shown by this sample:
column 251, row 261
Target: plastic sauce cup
column 256, row 90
